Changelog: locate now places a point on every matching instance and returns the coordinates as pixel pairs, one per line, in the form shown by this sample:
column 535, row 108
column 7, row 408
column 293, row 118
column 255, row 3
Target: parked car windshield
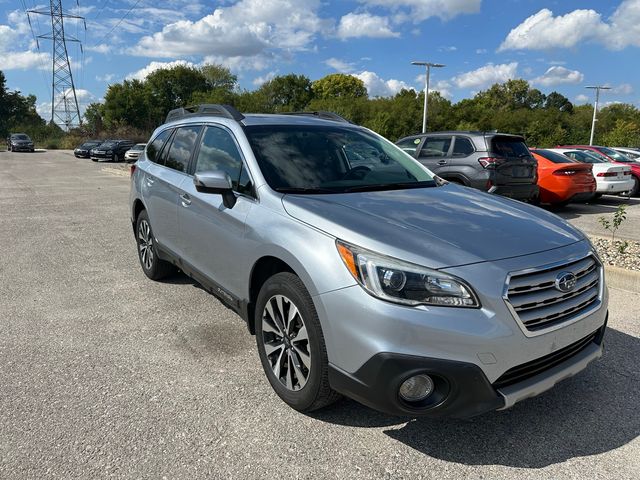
column 138, row 147
column 89, row 144
column 618, row 157
column 587, row 157
column 327, row 159
column 554, row 157
column 20, row 136
column 108, row 144
column 510, row 147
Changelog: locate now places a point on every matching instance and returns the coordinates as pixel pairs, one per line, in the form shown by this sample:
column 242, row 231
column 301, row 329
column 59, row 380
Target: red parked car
column 563, row 180
column 615, row 157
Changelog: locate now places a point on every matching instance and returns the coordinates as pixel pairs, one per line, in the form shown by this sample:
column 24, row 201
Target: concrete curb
column 622, row 278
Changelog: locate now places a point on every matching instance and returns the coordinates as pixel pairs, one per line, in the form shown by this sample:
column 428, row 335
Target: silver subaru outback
column 359, row 271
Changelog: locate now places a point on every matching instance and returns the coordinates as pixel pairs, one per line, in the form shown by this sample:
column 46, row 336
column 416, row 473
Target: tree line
column 135, row 107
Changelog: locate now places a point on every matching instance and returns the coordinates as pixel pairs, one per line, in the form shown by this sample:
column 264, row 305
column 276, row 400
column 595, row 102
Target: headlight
column 405, row 283
column 109, row 152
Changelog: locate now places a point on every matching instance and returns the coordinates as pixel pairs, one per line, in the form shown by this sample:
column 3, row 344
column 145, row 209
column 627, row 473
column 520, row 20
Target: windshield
column 553, row 156
column 138, row 147
column 618, row 157
column 108, row 145
column 20, row 136
column 89, row 144
column 328, row 159
column 587, row 157
column 510, row 147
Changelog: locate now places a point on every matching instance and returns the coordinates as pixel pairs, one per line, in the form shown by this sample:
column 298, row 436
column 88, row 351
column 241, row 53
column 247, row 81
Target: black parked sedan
column 19, row 142
column 82, row 151
column 111, row 150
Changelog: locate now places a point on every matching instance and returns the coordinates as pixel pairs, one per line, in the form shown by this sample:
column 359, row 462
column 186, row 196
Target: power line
column 117, row 24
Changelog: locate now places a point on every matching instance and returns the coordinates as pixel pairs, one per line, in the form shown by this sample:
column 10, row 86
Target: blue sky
column 556, row 45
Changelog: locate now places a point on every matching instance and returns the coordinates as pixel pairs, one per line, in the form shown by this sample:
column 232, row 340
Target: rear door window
column 154, row 148
column 554, row 156
column 436, row 147
column 462, row 147
column 182, row 147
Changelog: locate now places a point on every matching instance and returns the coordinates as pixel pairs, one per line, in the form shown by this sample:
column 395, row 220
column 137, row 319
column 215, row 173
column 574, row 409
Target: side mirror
column 216, row 182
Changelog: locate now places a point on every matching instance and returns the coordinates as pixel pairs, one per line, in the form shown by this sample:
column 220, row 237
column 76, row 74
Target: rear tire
column 287, row 326
column 152, row 265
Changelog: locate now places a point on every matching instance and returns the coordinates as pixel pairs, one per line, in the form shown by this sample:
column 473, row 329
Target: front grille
column 530, row 369
column 539, row 305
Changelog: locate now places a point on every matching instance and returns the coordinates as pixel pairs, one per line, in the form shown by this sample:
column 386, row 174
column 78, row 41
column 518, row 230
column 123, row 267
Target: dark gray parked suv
column 494, row 162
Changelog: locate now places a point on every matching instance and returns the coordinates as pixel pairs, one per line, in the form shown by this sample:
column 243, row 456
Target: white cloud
column 419, row 10
column 85, row 97
column 378, row 87
column 486, row 76
column 354, row 25
column 543, row 30
column 558, row 75
column 442, row 86
column 624, row 89
column 450, row 48
column 27, row 60
column 153, row 66
column 102, row 48
column 258, row 81
column 248, row 28
column 340, row 65
column 582, row 98
column 481, row 51
column 108, row 77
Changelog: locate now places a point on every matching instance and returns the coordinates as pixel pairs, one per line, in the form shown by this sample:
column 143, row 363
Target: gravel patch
column 621, row 253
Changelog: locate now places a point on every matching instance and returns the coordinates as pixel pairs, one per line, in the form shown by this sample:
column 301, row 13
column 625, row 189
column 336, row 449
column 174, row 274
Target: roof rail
column 320, row 114
column 226, row 111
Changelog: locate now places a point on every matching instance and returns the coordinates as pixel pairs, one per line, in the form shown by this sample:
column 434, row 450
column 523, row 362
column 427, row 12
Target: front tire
column 153, row 266
column 291, row 344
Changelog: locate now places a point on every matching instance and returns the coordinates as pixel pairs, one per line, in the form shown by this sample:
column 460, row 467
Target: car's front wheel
column 153, row 266
column 291, row 344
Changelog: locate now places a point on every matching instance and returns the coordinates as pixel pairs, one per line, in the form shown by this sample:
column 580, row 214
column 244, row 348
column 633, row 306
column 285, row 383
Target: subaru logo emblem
column 565, row 281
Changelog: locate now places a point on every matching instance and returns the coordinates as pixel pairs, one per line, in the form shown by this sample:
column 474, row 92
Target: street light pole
column 597, row 88
column 427, row 66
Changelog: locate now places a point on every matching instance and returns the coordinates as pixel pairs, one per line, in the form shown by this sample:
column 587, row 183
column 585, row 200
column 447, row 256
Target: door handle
column 150, row 180
column 442, row 162
column 186, row 200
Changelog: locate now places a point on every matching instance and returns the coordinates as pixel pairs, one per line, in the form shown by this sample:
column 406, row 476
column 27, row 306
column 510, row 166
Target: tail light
column 607, row 174
column 132, row 170
column 565, row 172
column 627, row 173
column 490, row 162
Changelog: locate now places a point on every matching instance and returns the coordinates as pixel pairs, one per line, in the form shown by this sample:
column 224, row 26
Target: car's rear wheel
column 153, row 266
column 291, row 344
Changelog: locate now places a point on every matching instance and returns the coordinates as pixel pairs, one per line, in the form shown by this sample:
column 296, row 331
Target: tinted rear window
column 509, row 147
column 554, row 156
column 156, row 145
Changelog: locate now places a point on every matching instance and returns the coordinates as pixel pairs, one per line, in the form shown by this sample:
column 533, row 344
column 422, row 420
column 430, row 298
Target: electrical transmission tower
column 64, row 102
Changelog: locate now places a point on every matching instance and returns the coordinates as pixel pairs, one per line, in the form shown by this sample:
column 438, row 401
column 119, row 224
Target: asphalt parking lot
column 104, row 373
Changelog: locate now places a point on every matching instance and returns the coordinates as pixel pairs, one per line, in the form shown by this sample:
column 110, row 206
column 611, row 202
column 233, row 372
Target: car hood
column 437, row 227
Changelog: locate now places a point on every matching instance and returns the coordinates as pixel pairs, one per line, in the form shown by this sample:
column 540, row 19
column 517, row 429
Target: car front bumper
column 22, row 148
column 101, row 157
column 469, row 348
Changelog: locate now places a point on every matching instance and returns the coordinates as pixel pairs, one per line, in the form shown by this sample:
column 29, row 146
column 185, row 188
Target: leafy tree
column 339, row 85
column 93, row 118
column 287, row 93
column 624, row 134
column 218, row 77
column 559, row 102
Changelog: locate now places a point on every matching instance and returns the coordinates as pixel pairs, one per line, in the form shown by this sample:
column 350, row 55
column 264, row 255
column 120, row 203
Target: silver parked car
column 359, row 271
column 134, row 152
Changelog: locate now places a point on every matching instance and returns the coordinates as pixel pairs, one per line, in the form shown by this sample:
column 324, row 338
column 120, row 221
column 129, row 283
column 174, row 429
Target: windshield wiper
column 303, row 190
column 389, row 186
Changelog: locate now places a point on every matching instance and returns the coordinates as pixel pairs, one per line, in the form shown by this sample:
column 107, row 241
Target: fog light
column 416, row 388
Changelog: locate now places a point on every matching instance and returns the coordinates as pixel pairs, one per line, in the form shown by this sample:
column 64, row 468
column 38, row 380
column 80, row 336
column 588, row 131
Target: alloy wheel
column 286, row 342
column 145, row 244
